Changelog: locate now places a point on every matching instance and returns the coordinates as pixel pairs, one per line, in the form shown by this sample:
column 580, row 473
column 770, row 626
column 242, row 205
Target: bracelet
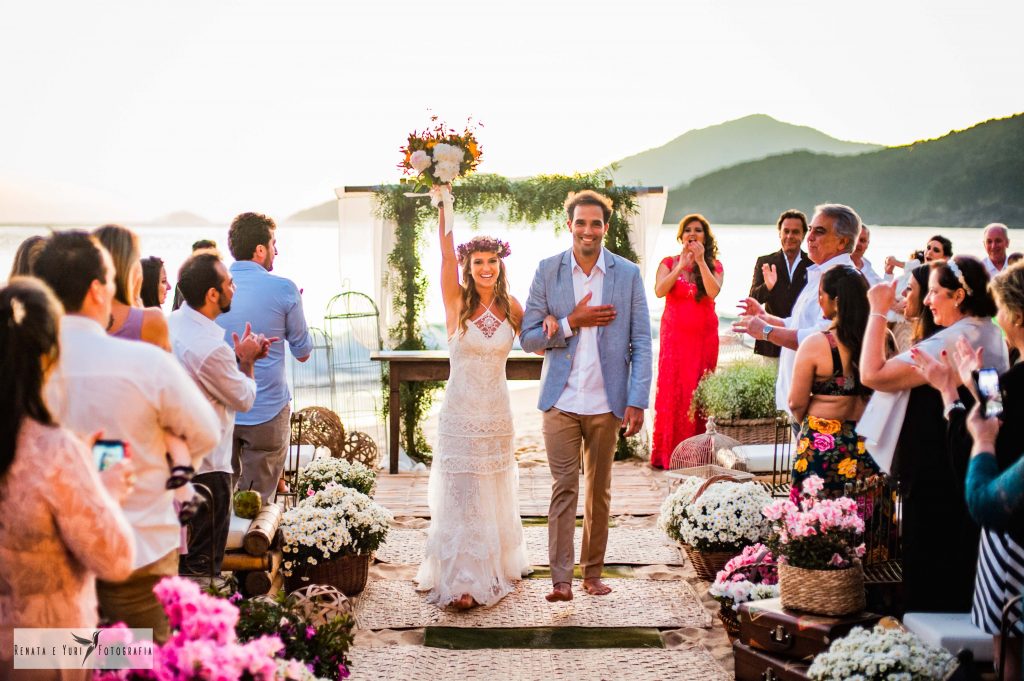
column 879, row 314
column 955, row 405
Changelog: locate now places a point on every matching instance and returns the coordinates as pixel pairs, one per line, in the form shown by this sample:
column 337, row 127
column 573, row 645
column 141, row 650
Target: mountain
column 326, row 211
column 968, row 177
column 699, row 152
column 182, row 218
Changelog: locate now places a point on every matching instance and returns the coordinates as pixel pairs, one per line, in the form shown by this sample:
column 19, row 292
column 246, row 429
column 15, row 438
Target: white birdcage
column 709, row 454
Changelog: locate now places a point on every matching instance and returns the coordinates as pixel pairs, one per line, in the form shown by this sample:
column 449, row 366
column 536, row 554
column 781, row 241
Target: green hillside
column 699, row 152
column 966, row 178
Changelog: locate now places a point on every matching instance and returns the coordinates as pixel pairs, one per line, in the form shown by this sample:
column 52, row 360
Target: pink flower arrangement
column 752, row 575
column 203, row 644
column 814, row 533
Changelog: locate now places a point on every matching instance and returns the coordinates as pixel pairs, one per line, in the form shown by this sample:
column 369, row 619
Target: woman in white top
column 908, row 413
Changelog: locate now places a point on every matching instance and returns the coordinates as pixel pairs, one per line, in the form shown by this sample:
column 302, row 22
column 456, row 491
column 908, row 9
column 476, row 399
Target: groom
column 596, row 379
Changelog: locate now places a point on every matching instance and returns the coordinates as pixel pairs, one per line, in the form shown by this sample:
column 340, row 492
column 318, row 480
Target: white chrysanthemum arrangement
column 880, row 653
column 724, row 518
column 327, row 470
column 334, row 522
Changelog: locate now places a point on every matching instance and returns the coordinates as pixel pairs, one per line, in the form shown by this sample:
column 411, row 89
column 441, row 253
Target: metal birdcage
column 353, row 328
column 703, row 455
column 312, row 381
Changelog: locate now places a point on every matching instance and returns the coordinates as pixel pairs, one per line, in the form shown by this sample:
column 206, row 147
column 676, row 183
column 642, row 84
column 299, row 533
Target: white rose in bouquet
column 420, row 160
column 446, row 171
column 448, row 153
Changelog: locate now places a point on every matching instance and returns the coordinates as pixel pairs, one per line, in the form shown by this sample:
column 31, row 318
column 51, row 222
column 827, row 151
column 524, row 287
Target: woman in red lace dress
column 689, row 334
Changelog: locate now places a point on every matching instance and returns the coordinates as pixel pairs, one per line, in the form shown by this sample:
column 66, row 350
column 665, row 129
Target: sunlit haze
column 219, row 107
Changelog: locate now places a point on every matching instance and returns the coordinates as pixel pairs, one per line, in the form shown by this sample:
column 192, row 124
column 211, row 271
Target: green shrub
column 743, row 390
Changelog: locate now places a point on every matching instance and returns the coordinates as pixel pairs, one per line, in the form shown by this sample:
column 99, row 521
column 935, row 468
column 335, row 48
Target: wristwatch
column 766, row 331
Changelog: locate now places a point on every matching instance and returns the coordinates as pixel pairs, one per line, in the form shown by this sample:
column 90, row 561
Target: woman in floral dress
column 827, row 396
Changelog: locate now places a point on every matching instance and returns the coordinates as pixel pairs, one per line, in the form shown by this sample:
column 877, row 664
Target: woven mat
column 395, row 604
column 626, row 546
column 637, row 664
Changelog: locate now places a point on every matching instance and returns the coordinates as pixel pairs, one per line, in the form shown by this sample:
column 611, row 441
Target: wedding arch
column 398, row 225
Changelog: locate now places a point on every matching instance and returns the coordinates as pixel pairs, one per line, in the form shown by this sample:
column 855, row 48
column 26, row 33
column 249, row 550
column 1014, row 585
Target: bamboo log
column 262, row 529
column 236, row 561
column 260, row 582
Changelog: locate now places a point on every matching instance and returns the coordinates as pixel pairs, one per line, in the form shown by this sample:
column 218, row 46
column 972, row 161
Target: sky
column 133, row 109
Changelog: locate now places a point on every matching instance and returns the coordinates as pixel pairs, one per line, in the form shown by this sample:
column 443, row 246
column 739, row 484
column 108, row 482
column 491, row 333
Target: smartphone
column 107, row 453
column 987, row 381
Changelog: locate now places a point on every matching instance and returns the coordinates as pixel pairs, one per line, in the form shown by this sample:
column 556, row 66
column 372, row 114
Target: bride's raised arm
column 451, row 292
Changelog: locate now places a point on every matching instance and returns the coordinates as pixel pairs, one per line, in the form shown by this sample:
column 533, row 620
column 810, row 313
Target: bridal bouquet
column 438, row 156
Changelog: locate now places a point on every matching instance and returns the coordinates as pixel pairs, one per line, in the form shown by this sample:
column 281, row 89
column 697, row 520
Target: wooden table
column 433, row 365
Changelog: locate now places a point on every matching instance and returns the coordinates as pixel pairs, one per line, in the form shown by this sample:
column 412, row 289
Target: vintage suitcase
column 766, row 625
column 757, row 665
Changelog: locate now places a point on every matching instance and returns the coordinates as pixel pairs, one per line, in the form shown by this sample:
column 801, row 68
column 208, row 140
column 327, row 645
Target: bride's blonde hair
column 470, row 296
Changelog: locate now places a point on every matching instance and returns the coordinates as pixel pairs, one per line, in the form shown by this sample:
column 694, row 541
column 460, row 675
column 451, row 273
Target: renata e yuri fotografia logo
column 116, row 648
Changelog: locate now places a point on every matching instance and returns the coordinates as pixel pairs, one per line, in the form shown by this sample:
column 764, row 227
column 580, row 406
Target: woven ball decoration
column 360, row 447
column 320, row 603
column 320, row 427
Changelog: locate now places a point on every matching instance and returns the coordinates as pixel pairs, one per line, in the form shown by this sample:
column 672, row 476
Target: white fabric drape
column 644, row 226
column 357, row 219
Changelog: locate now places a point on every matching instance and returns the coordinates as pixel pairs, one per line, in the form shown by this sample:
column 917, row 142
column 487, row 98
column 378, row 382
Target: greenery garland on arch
column 532, row 200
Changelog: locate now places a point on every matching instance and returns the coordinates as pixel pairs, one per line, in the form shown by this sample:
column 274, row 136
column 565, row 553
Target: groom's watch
column 766, row 331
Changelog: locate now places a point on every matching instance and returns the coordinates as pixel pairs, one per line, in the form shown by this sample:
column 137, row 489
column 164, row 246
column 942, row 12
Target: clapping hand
column 881, row 297
column 749, row 307
column 249, row 346
column 696, row 248
column 939, row 373
column 967, row 360
column 770, row 274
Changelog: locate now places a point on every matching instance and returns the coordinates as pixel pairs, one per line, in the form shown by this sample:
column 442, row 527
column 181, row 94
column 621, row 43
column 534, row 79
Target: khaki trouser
column 133, row 601
column 258, row 454
column 566, row 436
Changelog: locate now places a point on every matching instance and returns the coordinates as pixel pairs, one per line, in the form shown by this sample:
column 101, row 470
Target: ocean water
column 322, row 262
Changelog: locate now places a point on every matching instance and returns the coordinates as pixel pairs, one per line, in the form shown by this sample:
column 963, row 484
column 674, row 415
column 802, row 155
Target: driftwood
column 259, row 582
column 260, row 536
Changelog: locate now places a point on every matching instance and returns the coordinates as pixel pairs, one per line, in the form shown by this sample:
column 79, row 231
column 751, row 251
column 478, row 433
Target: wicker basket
column 730, row 620
column 708, row 563
column 347, row 574
column 749, row 431
column 822, row 592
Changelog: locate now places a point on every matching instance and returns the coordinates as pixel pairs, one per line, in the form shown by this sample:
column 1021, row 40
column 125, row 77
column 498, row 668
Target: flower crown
column 483, row 244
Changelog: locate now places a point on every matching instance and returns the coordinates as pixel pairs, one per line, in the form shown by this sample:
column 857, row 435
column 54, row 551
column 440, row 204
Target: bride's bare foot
column 464, row 602
column 560, row 592
column 595, row 587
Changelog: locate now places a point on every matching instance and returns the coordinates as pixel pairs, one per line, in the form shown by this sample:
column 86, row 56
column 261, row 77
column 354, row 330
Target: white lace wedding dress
column 475, row 543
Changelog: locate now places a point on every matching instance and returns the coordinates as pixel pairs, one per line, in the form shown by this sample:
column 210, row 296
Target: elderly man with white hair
column 831, row 238
column 996, row 239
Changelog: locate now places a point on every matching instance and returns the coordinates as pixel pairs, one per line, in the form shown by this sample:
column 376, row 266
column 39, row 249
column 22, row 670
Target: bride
column 475, row 548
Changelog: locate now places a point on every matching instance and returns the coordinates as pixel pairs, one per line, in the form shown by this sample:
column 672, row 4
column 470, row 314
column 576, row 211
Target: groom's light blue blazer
column 624, row 345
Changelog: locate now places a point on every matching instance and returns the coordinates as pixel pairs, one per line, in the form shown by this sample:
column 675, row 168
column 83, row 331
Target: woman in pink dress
column 61, row 525
column 689, row 334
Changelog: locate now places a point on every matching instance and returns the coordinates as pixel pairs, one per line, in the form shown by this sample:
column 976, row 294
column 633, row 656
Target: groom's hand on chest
column 585, row 314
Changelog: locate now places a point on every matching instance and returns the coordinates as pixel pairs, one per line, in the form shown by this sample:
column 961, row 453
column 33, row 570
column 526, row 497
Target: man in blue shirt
column 273, row 306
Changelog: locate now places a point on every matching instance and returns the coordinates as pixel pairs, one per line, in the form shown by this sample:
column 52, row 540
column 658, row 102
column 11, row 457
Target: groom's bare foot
column 595, row 587
column 464, row 602
column 560, row 592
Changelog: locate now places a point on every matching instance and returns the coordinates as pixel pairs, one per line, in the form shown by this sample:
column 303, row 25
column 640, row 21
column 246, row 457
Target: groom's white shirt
column 584, row 392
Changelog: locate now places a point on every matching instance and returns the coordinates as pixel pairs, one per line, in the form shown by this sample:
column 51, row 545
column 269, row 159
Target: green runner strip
column 544, row 572
column 454, row 638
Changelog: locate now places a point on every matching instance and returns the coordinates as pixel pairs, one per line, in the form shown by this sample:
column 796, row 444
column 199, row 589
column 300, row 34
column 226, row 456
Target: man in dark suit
column 779, row 277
